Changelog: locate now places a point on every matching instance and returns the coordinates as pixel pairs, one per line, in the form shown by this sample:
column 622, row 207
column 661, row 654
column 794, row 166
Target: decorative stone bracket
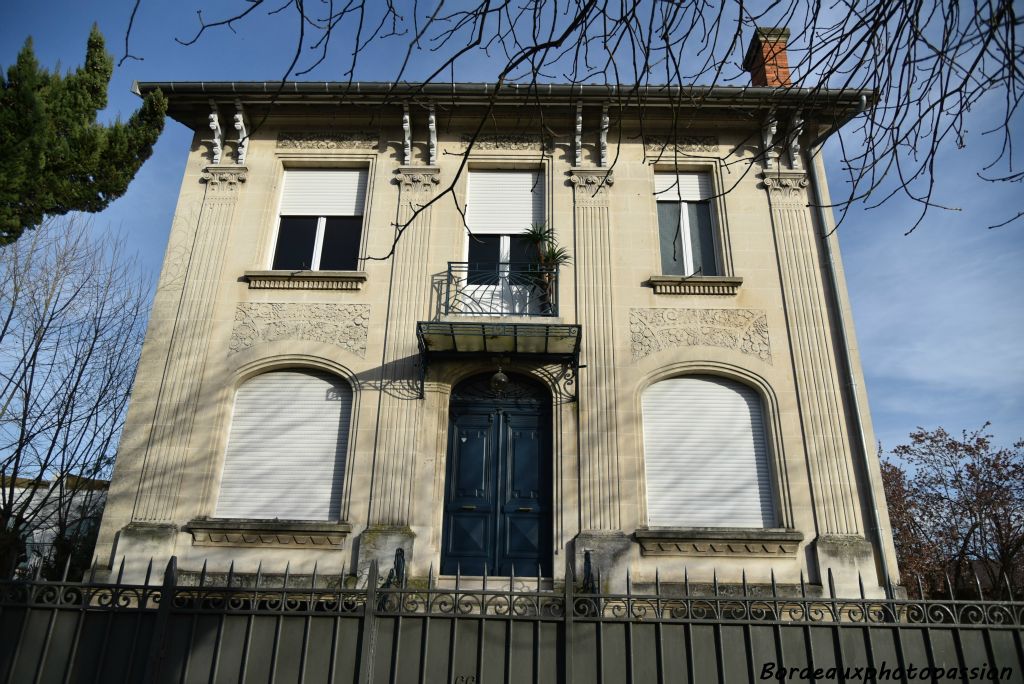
column 714, row 541
column 280, row 534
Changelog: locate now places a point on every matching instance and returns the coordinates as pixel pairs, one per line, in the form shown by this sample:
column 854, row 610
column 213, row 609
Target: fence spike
column 231, row 573
column 744, row 580
column 149, row 572
column 860, row 585
column 657, row 581
column 714, row 579
column 458, row 575
column 629, row 583
column 949, row 587
column 259, row 575
column 485, row 576
column 1009, row 589
column 686, row 581
column 92, row 568
column 920, row 587
column 512, row 578
column 287, row 574
column 312, row 584
column 202, row 574
column 171, row 572
column 120, row 571
column 831, row 584
column 977, row 583
column 430, row 576
column 344, row 576
column 67, row 566
column 890, row 592
column 39, row 570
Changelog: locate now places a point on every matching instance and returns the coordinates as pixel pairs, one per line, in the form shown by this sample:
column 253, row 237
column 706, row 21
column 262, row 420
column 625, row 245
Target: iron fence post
column 368, row 629
column 163, row 615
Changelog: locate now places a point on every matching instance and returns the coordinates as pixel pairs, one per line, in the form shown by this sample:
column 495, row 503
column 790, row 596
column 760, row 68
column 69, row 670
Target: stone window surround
column 264, row 278
column 718, row 541
column 727, row 283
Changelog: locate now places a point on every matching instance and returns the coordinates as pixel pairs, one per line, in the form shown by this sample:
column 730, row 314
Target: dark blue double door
column 497, row 515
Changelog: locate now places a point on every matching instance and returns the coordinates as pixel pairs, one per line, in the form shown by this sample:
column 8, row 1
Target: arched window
column 286, row 451
column 705, row 455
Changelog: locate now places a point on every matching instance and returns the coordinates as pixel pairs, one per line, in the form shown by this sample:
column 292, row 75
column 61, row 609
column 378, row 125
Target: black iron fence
column 315, row 628
column 500, row 289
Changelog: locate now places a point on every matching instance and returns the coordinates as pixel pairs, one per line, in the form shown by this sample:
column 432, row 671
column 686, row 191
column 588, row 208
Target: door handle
column 467, row 508
column 525, row 509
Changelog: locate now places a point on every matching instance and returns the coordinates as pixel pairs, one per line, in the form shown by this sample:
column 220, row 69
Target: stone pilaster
column 400, row 412
column 168, row 445
column 599, row 459
column 819, row 389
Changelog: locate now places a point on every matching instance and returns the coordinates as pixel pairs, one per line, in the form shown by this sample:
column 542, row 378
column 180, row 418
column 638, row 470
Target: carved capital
column 418, row 178
column 224, row 178
column 591, row 185
column 786, row 187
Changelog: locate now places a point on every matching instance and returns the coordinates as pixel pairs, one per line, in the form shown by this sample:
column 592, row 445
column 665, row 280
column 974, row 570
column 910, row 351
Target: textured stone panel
column 324, row 140
column 745, row 330
column 343, row 325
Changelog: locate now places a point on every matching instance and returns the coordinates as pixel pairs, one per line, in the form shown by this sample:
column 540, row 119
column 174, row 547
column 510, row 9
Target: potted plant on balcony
column 550, row 256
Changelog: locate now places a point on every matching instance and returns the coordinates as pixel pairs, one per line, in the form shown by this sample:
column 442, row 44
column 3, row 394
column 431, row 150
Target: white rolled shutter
column 686, row 187
column 705, row 455
column 286, row 449
column 323, row 192
column 504, row 202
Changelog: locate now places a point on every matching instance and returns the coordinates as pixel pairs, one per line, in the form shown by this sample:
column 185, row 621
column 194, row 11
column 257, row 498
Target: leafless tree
column 928, row 64
column 957, row 510
column 72, row 311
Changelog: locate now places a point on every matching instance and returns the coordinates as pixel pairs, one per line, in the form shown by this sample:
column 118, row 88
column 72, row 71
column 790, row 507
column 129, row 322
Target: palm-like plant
column 549, row 252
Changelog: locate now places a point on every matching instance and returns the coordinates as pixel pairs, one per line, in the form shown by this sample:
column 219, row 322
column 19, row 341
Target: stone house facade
column 358, row 344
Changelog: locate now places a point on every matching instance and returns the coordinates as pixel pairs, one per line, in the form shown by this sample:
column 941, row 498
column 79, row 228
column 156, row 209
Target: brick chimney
column 766, row 58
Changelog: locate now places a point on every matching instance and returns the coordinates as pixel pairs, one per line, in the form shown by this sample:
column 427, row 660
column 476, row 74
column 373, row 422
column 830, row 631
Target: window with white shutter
column 286, row 449
column 686, row 234
column 321, row 220
column 705, row 455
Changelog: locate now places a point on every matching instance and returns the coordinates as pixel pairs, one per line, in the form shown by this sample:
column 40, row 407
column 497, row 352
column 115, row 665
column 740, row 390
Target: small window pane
column 522, row 253
column 702, row 240
column 295, row 240
column 484, row 255
column 669, row 239
column 340, row 250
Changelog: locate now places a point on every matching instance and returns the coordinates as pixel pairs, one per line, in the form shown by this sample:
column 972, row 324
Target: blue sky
column 938, row 313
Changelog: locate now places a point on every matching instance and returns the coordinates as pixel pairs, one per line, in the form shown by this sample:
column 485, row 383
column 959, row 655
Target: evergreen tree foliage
column 54, row 156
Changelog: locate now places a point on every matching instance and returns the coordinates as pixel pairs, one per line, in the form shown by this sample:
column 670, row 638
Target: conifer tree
column 54, row 156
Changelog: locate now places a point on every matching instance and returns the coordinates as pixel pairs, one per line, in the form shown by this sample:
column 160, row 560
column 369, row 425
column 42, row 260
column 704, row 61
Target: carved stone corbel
column 769, row 129
column 217, row 141
column 418, row 178
column 432, row 127
column 578, row 146
column 796, row 128
column 407, row 130
column 603, row 141
column 241, row 125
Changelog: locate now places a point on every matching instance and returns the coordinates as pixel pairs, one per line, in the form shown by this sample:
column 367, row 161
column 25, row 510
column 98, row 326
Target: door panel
column 498, row 492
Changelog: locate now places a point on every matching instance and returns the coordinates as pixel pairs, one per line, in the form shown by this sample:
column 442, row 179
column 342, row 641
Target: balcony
column 499, row 289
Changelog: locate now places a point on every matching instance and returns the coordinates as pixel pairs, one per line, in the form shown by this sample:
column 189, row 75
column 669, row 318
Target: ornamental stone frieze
column 323, row 140
column 343, row 325
column 683, row 143
column 509, row 142
column 718, row 542
column 268, row 534
column 655, row 330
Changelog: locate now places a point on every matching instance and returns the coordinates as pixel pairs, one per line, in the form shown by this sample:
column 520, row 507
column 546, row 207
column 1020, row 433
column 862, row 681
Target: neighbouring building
column 366, row 339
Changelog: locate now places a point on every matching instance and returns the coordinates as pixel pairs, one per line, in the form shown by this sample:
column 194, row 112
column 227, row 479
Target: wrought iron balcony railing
column 501, row 289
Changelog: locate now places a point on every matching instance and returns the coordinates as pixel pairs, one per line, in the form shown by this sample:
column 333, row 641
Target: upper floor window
column 686, row 234
column 321, row 220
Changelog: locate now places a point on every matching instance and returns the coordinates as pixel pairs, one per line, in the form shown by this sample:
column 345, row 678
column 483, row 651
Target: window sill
column 305, row 280
column 717, row 541
column 280, row 534
column 694, row 285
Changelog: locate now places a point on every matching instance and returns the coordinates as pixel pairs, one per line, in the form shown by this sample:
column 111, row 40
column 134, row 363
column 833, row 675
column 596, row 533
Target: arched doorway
column 497, row 509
